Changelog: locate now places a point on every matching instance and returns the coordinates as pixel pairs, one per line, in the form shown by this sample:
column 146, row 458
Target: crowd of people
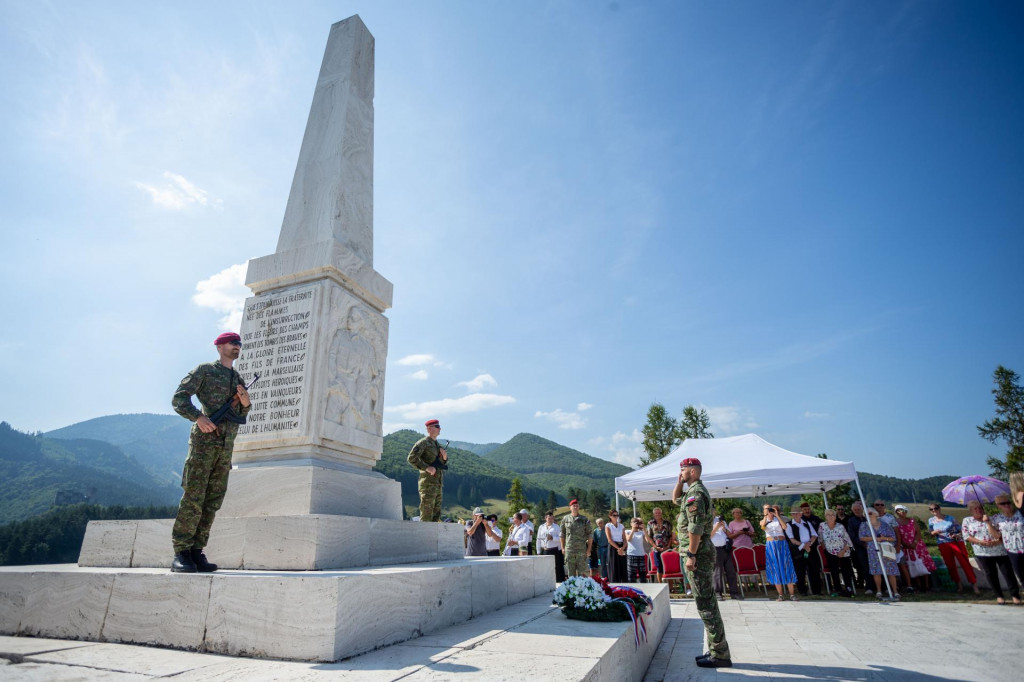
column 804, row 554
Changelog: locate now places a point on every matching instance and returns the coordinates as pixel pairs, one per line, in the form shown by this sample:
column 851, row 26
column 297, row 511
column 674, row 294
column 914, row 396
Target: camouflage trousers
column 204, row 481
column 707, row 604
column 430, row 495
column 576, row 562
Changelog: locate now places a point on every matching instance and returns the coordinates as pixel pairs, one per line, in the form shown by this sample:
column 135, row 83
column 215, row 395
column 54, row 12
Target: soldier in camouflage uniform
column 425, row 455
column 694, row 532
column 205, row 476
column 577, row 536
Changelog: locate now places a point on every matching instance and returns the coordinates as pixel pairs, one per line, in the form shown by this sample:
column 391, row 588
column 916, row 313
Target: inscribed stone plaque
column 275, row 335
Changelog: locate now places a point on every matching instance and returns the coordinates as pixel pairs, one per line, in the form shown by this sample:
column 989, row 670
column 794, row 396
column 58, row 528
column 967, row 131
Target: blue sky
column 805, row 217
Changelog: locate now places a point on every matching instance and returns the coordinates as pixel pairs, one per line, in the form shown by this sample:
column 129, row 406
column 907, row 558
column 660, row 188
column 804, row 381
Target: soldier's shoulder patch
column 691, row 499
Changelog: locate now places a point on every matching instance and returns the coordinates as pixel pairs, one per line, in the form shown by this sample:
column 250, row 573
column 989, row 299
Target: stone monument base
column 306, row 487
column 284, row 543
column 307, row 616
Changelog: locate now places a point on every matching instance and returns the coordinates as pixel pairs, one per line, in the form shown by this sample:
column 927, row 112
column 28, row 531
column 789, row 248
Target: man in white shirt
column 529, row 524
column 519, row 536
column 549, row 541
column 494, row 537
column 803, row 541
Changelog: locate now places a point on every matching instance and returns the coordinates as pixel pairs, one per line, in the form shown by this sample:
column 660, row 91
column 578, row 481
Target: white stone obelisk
column 314, row 329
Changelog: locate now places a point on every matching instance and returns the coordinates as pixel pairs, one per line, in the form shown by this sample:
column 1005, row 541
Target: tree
column 552, row 500
column 661, row 434
column 695, row 424
column 1008, row 425
column 598, row 503
column 841, row 494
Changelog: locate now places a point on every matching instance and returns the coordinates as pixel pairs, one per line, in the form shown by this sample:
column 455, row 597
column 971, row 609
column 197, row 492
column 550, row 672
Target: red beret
column 431, row 422
column 572, row 502
column 689, row 462
column 227, row 337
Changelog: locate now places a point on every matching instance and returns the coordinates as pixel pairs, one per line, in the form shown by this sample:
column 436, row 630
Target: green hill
column 476, row 448
column 159, row 442
column 37, row 472
column 555, row 467
column 469, row 480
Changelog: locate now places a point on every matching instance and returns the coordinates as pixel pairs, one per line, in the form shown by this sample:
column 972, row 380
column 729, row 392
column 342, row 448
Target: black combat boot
column 183, row 563
column 202, row 565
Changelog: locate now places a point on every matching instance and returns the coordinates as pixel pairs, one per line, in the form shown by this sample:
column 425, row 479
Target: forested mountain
column 555, row 467
column 476, row 448
column 36, row 472
column 470, row 479
column 903, row 489
column 159, row 442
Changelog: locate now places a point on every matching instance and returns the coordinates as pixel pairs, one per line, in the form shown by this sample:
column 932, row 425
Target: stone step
column 531, row 640
column 309, row 616
column 281, row 543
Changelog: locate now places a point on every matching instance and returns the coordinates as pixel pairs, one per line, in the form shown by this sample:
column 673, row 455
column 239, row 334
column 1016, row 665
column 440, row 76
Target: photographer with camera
column 776, row 552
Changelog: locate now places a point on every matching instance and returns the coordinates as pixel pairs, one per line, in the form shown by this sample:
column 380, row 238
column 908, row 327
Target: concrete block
column 402, row 541
column 66, row 605
column 450, row 541
column 490, row 584
column 14, row 591
column 152, row 547
column 343, row 542
column 161, row 610
column 108, row 543
column 520, row 579
column 273, row 616
column 543, row 574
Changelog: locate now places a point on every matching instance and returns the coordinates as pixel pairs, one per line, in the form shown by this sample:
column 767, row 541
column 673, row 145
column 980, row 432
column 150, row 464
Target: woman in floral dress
column 884, row 533
column 913, row 548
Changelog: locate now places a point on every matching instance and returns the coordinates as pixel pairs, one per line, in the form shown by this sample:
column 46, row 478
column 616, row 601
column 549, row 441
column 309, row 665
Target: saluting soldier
column 694, row 532
column 431, row 460
column 577, row 536
column 205, row 476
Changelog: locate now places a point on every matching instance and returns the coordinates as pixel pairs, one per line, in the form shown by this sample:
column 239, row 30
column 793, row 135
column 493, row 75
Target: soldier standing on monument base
column 431, row 460
column 694, row 532
column 577, row 536
column 205, row 476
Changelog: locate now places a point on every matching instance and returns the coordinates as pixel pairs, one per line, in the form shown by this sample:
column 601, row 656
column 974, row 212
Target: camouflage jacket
column 576, row 531
column 214, row 384
column 695, row 514
column 424, row 453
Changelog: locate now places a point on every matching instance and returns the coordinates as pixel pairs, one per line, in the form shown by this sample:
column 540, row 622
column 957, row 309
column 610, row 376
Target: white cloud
column 583, row 407
column 177, row 194
column 478, row 383
column 391, row 427
column 565, row 420
column 447, row 406
column 420, row 375
column 224, row 292
column 422, row 360
column 729, row 420
column 816, row 415
column 624, row 448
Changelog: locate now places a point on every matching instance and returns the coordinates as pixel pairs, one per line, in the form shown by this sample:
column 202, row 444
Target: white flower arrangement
column 582, row 593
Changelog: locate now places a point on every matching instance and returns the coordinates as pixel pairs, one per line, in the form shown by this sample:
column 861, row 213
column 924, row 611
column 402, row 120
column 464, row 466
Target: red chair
column 746, row 565
column 652, row 569
column 824, row 568
column 672, row 569
column 762, row 562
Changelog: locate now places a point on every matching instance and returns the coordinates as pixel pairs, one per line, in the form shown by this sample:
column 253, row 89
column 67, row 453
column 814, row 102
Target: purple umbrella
column 980, row 488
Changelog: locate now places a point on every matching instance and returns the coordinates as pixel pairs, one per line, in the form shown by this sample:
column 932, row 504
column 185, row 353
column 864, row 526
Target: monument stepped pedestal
column 305, row 616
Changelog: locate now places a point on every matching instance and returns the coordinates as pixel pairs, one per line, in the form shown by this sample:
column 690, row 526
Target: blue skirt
column 780, row 563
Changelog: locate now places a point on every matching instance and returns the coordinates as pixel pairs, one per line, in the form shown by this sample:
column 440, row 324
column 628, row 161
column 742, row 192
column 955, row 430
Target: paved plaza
column 840, row 640
column 807, row 640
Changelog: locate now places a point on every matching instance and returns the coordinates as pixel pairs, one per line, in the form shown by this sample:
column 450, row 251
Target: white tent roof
column 740, row 466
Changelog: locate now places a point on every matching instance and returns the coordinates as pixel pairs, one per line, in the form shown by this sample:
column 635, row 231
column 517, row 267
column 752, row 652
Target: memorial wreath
column 584, row 598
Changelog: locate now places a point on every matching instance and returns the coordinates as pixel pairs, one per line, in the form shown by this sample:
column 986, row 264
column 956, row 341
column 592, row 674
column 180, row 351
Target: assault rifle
column 225, row 413
column 439, row 463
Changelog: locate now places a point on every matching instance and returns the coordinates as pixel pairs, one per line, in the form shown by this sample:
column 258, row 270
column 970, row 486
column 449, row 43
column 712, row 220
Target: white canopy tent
column 740, row 466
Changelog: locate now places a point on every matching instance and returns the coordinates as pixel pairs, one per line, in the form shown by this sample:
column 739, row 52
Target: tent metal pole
column 634, row 507
column 874, row 538
column 824, row 496
column 616, row 493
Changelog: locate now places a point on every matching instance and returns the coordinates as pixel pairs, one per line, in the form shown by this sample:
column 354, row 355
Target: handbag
column 917, row 568
column 888, row 550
